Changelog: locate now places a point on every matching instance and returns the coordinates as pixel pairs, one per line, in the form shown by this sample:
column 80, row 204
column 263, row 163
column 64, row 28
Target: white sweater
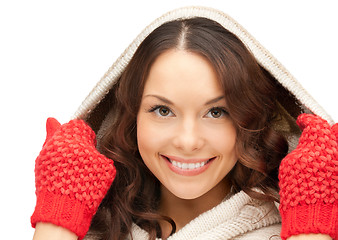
column 239, row 217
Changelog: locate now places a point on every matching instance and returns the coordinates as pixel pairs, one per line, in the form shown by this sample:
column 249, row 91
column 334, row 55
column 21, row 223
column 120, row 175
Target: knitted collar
column 263, row 57
column 233, row 217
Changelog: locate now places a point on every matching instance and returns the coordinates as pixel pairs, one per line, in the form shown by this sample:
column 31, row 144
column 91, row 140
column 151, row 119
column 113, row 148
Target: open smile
column 188, row 167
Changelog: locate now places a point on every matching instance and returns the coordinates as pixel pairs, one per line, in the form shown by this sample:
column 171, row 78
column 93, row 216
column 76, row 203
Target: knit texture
column 71, row 177
column 240, row 217
column 309, row 181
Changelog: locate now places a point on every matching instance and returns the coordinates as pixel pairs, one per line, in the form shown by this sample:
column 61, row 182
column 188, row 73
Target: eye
column 216, row 112
column 161, row 111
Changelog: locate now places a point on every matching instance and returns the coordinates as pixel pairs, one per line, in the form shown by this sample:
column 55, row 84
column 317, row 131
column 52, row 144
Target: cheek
column 223, row 138
column 149, row 137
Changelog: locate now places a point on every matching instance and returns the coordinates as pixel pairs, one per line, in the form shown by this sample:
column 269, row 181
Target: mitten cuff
column 63, row 211
column 313, row 218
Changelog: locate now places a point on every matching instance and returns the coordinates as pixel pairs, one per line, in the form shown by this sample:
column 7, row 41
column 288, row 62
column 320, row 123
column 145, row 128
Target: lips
column 188, row 167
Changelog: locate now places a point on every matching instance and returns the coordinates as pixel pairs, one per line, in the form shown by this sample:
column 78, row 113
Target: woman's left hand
column 308, row 181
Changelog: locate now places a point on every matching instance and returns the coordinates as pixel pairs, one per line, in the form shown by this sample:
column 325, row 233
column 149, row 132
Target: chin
column 213, row 188
column 187, row 193
column 188, row 196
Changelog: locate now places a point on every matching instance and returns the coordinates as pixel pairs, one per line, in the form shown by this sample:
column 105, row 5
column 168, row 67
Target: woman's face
column 185, row 135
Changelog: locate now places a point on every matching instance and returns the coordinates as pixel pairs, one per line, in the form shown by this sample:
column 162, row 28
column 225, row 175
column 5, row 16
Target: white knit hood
column 263, row 57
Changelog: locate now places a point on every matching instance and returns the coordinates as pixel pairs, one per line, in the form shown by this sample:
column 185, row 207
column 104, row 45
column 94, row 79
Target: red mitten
column 309, row 181
column 71, row 177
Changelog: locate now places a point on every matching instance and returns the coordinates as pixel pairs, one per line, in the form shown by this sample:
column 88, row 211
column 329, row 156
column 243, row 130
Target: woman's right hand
column 71, row 178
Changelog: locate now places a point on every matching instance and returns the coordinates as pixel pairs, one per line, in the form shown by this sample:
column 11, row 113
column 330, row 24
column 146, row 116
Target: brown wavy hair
column 254, row 101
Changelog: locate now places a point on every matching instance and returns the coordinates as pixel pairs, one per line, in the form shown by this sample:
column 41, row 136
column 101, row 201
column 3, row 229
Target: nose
column 188, row 136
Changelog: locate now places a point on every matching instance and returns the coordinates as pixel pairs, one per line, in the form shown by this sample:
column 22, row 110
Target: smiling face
column 185, row 135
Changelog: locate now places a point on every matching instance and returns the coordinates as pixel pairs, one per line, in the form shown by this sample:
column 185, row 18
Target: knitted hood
column 94, row 109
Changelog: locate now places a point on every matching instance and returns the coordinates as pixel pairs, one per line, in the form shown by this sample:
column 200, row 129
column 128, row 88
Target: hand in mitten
column 71, row 177
column 308, row 180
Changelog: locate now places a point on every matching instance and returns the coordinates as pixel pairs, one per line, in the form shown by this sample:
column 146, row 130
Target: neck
column 182, row 211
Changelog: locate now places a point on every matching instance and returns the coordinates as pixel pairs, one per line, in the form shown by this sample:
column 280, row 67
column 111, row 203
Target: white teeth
column 189, row 166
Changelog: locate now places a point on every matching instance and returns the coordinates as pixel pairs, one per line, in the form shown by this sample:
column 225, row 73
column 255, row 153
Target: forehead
column 179, row 70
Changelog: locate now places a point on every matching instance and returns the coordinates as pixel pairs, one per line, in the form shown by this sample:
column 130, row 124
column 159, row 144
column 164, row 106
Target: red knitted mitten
column 309, row 181
column 71, row 177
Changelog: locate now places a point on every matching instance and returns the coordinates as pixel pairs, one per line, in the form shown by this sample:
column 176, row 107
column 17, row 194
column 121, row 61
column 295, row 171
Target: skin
column 189, row 130
column 44, row 231
column 192, row 123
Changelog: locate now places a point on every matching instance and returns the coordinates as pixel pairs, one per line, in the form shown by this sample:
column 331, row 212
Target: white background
column 53, row 52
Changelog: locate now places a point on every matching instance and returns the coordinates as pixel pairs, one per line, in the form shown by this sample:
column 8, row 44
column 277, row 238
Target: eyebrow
column 163, row 99
column 167, row 101
column 214, row 100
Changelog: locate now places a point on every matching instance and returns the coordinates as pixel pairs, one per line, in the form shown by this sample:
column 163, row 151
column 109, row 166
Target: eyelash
column 157, row 107
column 222, row 109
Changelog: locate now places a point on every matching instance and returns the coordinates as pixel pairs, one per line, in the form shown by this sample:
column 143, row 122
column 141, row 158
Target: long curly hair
column 254, row 101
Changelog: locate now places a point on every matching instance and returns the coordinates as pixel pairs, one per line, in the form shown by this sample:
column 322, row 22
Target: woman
column 197, row 118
